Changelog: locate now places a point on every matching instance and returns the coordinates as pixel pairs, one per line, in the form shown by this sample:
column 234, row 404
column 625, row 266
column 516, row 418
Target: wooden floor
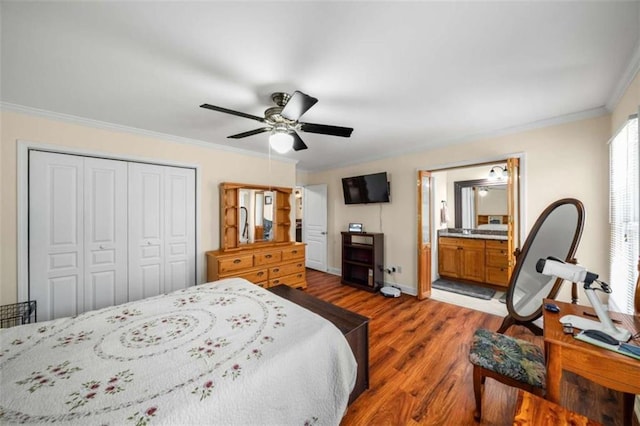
column 419, row 368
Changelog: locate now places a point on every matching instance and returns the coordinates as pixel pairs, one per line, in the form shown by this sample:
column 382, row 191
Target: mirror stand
column 556, row 233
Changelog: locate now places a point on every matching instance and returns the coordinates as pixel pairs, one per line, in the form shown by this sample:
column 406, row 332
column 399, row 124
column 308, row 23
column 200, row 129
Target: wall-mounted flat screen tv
column 373, row 188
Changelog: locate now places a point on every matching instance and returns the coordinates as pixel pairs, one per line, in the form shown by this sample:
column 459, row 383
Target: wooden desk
column 355, row 328
column 610, row 369
column 532, row 410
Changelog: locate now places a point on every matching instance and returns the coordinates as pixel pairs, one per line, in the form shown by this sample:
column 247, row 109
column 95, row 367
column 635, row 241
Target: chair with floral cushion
column 511, row 361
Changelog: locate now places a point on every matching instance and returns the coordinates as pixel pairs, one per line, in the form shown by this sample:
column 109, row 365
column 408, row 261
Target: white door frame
column 22, row 171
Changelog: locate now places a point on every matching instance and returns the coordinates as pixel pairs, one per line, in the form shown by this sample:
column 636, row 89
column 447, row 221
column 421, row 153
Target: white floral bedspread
column 223, row 353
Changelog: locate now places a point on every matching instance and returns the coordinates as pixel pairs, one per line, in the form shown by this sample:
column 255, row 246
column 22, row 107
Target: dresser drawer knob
column 261, row 273
column 299, row 265
column 268, row 256
column 276, row 270
column 236, row 261
column 294, row 251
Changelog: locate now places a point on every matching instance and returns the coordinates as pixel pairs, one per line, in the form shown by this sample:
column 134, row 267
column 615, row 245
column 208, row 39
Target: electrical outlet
column 399, row 269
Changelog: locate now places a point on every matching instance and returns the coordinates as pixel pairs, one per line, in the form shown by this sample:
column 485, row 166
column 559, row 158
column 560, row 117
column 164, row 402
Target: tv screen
column 373, row 188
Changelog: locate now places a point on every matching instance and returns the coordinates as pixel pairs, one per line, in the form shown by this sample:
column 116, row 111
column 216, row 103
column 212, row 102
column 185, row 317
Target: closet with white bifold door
column 103, row 232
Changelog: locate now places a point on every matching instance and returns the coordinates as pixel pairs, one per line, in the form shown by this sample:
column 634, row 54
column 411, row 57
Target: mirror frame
column 512, row 317
column 230, row 215
column 457, row 195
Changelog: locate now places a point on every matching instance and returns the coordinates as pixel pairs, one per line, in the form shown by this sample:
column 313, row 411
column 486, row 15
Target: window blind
column 624, row 215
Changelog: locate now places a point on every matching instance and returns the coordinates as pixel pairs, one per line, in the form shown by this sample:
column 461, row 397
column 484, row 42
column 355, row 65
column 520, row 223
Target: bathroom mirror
column 556, row 233
column 480, row 202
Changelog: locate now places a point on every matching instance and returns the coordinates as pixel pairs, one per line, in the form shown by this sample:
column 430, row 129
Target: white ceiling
column 406, row 76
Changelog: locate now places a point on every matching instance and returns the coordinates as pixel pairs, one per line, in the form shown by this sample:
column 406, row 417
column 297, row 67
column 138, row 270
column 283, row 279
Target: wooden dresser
column 265, row 266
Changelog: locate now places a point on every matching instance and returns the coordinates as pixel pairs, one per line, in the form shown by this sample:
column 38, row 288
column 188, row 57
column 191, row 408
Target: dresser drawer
column 296, row 252
column 268, row 257
column 498, row 276
column 293, row 280
column 255, row 276
column 230, row 264
column 286, row 269
column 497, row 258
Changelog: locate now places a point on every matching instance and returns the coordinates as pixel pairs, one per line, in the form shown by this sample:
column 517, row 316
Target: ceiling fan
column 282, row 121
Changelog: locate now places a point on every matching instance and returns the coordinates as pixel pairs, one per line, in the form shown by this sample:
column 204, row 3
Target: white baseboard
column 407, row 290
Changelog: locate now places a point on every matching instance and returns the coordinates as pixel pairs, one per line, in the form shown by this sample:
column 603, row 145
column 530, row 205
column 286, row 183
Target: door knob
column 324, row 233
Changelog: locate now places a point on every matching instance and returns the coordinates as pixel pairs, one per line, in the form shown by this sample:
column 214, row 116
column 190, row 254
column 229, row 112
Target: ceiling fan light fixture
column 281, row 142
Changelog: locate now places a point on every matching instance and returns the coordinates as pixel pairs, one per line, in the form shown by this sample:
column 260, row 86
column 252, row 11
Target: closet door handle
column 101, row 247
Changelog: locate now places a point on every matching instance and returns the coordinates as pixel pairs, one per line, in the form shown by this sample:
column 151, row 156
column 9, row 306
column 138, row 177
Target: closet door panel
column 56, row 256
column 146, row 229
column 179, row 228
column 105, row 244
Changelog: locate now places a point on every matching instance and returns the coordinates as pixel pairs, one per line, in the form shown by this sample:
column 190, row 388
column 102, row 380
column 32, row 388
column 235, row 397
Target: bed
column 227, row 352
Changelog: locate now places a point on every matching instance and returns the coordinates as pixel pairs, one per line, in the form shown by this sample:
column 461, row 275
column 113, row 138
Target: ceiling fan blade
column 250, row 133
column 297, row 105
column 298, row 144
column 324, row 129
column 232, row 112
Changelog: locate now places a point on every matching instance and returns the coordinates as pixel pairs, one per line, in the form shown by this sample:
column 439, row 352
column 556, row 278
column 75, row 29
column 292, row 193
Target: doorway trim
column 521, row 156
column 22, row 195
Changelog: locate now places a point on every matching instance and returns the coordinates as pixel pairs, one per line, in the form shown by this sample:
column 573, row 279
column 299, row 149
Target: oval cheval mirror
column 556, row 233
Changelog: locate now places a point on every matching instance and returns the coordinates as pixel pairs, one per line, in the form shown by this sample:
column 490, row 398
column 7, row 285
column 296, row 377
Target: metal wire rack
column 18, row 314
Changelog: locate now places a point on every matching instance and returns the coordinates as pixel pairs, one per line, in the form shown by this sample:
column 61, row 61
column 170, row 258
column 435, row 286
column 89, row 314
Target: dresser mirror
column 256, row 215
column 556, row 233
column 253, row 215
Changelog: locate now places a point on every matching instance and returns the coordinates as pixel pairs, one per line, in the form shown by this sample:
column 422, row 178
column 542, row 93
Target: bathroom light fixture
column 281, row 141
column 502, row 174
column 483, row 191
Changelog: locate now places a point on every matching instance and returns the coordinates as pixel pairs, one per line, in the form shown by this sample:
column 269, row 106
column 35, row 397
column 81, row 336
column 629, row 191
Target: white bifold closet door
column 103, row 232
column 77, row 233
column 161, row 229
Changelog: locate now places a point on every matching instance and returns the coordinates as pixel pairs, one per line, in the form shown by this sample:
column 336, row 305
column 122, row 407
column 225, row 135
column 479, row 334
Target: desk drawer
column 286, row 269
column 230, row 264
column 296, row 252
column 268, row 257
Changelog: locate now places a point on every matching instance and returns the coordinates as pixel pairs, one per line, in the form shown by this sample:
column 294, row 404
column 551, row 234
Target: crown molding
column 7, row 106
column 630, row 72
column 540, row 124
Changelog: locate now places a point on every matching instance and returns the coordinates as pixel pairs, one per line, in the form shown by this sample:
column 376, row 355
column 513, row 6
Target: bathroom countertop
column 474, row 235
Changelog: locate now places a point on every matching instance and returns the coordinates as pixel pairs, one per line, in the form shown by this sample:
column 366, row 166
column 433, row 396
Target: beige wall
column 628, row 105
column 568, row 160
column 215, row 166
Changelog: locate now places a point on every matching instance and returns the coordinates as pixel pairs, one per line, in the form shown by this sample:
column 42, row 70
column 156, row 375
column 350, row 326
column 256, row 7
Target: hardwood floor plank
column 419, row 368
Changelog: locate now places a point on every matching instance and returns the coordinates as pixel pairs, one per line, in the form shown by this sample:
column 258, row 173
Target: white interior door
column 56, row 234
column 314, row 225
column 146, row 229
column 180, row 252
column 105, row 233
